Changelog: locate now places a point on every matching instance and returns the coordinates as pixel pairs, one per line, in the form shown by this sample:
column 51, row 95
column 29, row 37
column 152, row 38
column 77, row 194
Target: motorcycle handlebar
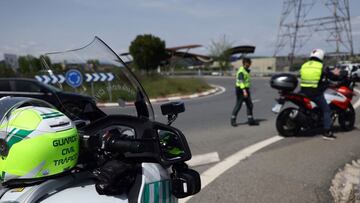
column 122, row 146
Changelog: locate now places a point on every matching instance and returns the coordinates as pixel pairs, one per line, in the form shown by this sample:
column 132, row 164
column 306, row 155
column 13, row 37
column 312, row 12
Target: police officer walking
column 312, row 85
column 243, row 93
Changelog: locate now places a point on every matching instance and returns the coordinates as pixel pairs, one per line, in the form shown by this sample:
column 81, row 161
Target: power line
column 297, row 26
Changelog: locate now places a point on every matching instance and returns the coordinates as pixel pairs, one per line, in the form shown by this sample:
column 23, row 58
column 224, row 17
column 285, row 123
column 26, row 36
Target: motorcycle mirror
column 173, row 147
column 184, row 181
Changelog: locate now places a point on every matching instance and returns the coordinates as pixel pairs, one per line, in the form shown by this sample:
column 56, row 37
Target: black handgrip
column 122, row 146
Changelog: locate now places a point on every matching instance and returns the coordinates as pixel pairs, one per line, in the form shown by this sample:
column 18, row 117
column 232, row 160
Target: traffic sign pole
column 92, row 89
column 110, row 91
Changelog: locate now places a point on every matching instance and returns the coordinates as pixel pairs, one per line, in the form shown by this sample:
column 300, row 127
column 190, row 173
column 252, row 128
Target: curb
column 214, row 91
column 345, row 186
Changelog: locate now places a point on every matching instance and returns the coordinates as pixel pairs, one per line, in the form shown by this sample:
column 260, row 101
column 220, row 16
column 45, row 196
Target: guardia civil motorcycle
column 305, row 114
column 121, row 155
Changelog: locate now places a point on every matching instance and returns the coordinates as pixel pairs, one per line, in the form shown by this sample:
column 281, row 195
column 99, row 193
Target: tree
column 6, row 71
column 29, row 65
column 221, row 52
column 24, row 66
column 147, row 51
column 35, row 65
column 93, row 64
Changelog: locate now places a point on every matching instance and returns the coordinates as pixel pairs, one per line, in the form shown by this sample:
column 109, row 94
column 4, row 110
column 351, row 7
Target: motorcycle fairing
column 336, row 99
column 331, row 96
column 155, row 185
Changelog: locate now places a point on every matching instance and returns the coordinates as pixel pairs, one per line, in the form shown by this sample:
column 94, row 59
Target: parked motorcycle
column 125, row 156
column 306, row 115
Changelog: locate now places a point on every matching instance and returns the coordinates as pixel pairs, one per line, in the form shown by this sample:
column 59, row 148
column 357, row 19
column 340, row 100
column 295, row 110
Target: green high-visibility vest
column 245, row 83
column 310, row 74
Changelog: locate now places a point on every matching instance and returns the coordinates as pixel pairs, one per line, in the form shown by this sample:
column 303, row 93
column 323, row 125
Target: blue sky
column 39, row 26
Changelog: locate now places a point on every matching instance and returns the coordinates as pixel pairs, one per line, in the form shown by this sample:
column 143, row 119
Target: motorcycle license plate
column 276, row 109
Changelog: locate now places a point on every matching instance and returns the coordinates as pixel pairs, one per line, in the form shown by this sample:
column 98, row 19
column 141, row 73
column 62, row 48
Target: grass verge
column 160, row 86
column 156, row 86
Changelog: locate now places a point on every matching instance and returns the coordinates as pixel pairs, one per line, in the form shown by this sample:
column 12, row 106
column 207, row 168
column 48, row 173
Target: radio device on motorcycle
column 172, row 109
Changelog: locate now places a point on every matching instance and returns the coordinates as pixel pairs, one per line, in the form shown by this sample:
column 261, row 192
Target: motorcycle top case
column 284, row 82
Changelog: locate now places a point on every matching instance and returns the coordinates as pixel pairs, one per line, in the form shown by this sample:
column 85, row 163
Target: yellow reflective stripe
column 306, row 85
column 310, row 82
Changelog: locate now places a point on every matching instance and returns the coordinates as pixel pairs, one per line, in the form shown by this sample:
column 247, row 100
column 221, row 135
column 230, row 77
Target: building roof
column 246, row 49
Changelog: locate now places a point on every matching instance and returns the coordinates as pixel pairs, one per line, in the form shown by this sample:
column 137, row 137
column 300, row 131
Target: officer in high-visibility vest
column 243, row 93
column 312, row 74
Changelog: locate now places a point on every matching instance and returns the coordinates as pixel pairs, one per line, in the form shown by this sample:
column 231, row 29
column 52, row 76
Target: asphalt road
column 291, row 170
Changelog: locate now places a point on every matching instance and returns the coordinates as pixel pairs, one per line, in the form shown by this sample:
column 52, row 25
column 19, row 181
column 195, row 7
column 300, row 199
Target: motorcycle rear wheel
column 347, row 118
column 286, row 124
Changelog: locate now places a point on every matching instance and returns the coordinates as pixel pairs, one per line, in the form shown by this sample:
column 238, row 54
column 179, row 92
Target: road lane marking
column 357, row 104
column 203, row 159
column 222, row 90
column 212, row 173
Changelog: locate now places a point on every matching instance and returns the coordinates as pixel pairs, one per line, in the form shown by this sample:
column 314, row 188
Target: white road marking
column 203, row 159
column 212, row 173
column 222, row 90
column 357, row 104
column 255, row 100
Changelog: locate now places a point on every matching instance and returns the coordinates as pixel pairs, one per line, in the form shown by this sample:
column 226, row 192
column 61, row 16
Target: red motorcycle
column 306, row 115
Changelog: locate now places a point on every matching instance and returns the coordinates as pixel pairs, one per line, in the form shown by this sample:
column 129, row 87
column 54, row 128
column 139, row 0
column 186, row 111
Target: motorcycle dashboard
column 159, row 143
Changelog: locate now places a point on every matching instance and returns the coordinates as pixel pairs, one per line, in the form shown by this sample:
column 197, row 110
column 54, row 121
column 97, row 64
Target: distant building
column 11, row 60
column 268, row 65
column 262, row 66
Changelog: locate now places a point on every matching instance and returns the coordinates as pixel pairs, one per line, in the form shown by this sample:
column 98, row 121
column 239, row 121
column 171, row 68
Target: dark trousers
column 324, row 106
column 239, row 100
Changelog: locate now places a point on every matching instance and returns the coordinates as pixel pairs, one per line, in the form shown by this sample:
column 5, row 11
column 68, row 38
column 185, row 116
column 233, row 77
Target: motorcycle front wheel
column 286, row 123
column 347, row 118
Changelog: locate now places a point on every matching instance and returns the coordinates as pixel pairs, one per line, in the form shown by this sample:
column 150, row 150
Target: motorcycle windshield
column 94, row 75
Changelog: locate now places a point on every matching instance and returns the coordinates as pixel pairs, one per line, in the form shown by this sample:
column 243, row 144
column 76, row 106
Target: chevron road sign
column 89, row 77
column 110, row 77
column 61, row 78
column 50, row 79
column 96, row 77
column 99, row 77
column 103, row 77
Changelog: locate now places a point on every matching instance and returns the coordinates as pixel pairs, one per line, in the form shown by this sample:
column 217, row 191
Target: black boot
column 329, row 135
column 252, row 122
column 233, row 122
